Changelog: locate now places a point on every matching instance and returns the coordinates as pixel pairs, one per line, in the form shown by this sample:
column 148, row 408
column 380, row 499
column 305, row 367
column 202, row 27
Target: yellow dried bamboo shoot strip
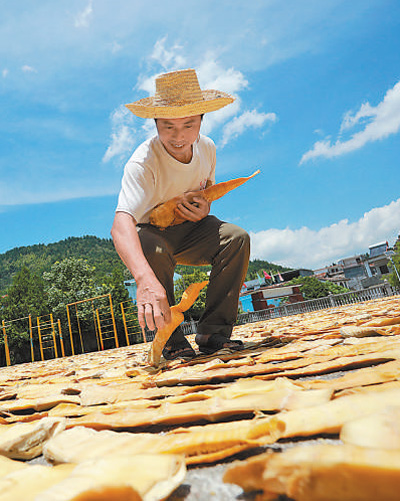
column 212, row 409
column 25, row 440
column 380, row 430
column 331, row 416
column 29, row 483
column 389, row 371
column 321, row 472
column 162, row 335
column 164, row 214
column 121, row 477
column 198, row 443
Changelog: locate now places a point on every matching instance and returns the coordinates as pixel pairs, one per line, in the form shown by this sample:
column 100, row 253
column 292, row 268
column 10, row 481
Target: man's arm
column 152, row 303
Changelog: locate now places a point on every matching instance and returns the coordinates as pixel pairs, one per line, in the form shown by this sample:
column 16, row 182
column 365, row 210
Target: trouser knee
column 239, row 240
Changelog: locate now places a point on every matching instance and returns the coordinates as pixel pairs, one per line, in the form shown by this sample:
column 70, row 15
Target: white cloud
column 82, row 19
column 169, row 59
column 28, row 69
column 247, row 119
column 122, row 136
column 380, row 122
column 5, row 73
column 212, row 75
column 308, row 248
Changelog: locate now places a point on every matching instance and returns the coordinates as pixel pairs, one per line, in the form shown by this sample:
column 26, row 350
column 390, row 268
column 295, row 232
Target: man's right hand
column 152, row 304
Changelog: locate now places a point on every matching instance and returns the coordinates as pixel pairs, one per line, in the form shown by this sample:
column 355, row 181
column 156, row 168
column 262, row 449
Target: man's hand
column 152, row 304
column 193, row 207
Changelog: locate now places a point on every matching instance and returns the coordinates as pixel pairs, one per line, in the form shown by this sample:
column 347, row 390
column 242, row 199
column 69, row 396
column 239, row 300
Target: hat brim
column 213, row 100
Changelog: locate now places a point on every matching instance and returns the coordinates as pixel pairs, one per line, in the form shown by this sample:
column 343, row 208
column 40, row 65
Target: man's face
column 178, row 135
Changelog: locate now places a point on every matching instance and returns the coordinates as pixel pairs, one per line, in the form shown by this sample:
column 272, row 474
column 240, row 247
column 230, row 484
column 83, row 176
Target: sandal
column 216, row 342
column 180, row 349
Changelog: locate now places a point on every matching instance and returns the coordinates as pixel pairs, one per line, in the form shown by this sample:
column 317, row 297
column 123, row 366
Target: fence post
column 8, row 360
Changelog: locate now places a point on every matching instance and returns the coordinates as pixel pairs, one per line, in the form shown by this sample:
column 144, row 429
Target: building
column 333, row 273
column 359, row 271
column 269, row 296
column 260, row 294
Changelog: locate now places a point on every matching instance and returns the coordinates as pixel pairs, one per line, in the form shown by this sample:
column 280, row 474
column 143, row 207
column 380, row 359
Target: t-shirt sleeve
column 136, row 191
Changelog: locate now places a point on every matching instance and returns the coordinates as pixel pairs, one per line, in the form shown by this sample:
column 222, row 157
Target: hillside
column 98, row 252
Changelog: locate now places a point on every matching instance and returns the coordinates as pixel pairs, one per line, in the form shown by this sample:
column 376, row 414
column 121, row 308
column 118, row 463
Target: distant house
column 359, row 271
column 269, row 296
column 260, row 294
column 333, row 273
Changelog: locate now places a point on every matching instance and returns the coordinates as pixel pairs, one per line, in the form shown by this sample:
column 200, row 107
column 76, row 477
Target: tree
column 69, row 281
column 183, row 283
column 257, row 266
column 26, row 296
column 395, row 262
column 312, row 288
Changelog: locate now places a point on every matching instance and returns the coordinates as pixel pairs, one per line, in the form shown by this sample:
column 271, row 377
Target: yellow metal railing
column 106, row 325
column 133, row 333
column 103, row 320
column 47, row 335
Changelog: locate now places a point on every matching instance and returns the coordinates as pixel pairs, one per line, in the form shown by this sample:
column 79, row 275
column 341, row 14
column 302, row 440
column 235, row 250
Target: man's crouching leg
column 229, row 268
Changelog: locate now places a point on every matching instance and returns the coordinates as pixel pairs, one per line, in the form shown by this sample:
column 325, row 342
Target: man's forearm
column 151, row 299
column 128, row 247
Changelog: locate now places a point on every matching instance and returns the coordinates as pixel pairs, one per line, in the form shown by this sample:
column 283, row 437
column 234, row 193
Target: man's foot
column 181, row 350
column 212, row 343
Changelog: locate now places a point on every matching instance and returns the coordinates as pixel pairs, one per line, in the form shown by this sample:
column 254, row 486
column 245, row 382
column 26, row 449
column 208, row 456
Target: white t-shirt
column 152, row 176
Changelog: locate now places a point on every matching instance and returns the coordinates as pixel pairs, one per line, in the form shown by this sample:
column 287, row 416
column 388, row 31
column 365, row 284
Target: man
column 175, row 162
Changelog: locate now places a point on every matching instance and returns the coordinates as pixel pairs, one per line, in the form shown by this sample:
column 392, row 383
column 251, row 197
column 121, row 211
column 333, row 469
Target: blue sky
column 317, row 110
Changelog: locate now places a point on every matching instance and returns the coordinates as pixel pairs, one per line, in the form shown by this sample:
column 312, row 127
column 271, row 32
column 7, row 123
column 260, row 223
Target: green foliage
column 393, row 277
column 25, row 296
column 69, row 281
column 18, row 341
column 99, row 253
column 183, row 283
column 183, row 269
column 114, row 285
column 312, row 288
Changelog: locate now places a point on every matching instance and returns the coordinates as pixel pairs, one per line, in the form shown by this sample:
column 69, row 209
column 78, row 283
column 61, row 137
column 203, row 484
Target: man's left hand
column 193, row 208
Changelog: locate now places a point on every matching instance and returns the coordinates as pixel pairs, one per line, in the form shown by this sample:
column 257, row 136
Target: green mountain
column 98, row 252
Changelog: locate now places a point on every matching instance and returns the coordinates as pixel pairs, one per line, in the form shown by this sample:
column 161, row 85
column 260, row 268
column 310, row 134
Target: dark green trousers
column 225, row 246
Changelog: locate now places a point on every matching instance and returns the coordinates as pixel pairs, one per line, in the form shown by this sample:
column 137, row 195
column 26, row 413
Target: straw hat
column 178, row 95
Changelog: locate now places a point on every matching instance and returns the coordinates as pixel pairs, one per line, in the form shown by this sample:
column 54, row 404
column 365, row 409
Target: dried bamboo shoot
column 162, row 336
column 164, row 214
